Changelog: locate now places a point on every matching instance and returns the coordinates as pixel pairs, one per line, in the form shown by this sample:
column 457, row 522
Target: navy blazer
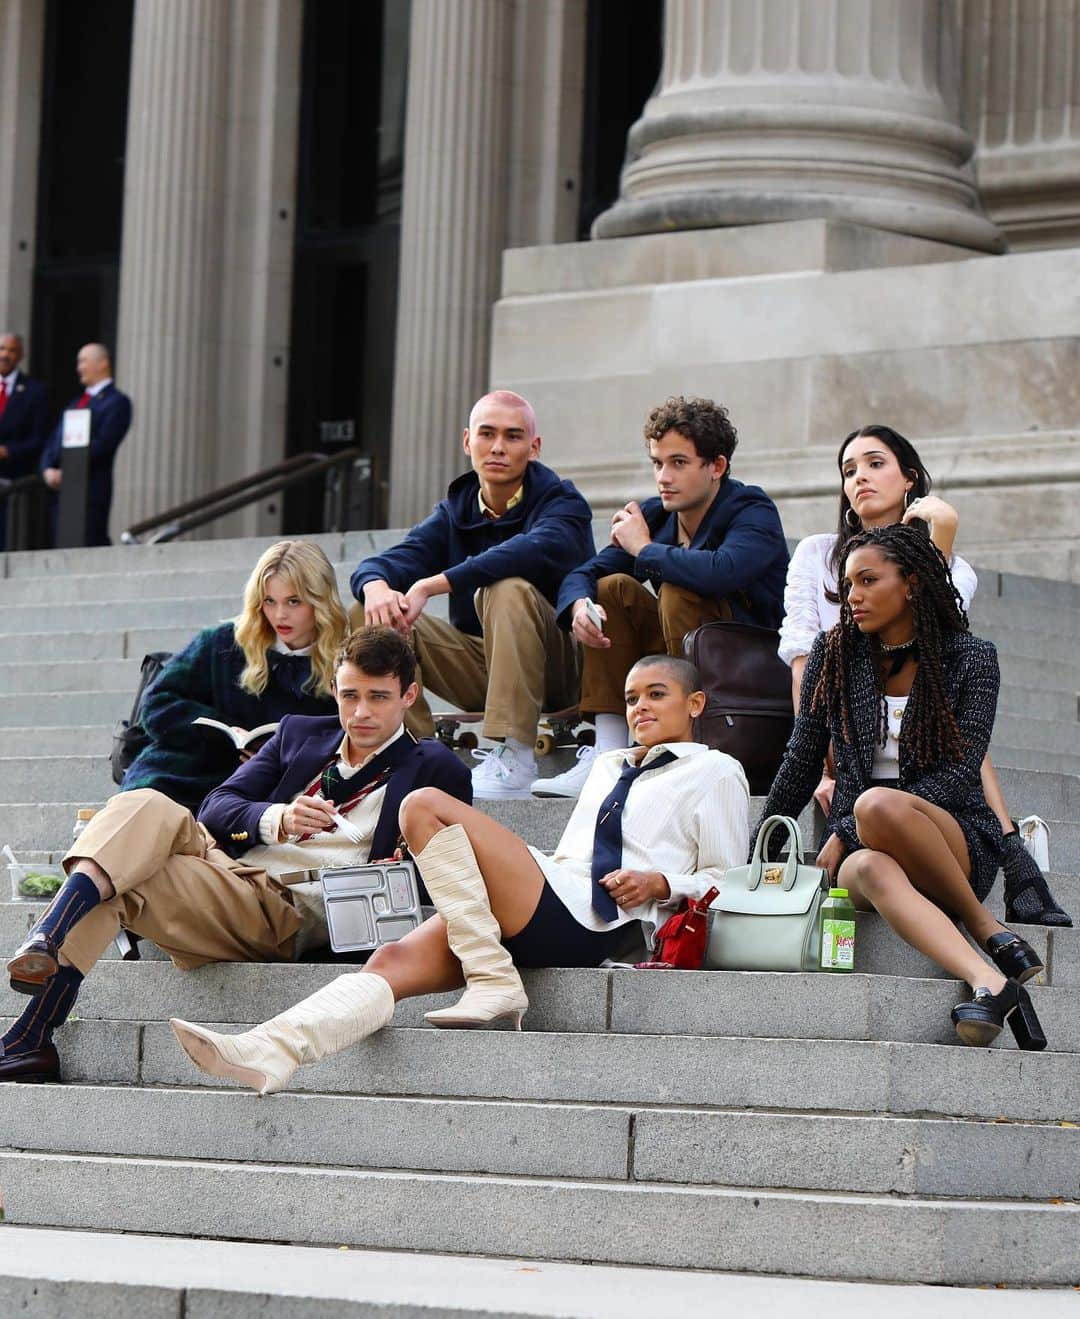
column 302, row 746
column 738, row 554
column 23, row 427
column 110, row 419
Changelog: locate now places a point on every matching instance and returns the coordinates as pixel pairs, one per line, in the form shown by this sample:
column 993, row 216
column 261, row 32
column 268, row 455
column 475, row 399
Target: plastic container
column 837, row 932
column 18, row 873
column 83, row 816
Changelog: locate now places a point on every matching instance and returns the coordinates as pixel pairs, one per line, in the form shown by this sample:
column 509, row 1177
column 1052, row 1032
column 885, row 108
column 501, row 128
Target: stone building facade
column 830, row 212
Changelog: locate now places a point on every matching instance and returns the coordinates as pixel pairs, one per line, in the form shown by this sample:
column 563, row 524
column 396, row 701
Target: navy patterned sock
column 43, row 1014
column 78, row 894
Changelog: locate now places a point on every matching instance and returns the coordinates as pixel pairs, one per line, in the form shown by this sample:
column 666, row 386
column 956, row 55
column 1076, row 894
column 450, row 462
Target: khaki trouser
column 522, row 665
column 638, row 624
column 175, row 886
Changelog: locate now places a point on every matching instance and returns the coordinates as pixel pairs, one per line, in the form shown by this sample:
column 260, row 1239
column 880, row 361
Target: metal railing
column 24, row 499
column 345, row 473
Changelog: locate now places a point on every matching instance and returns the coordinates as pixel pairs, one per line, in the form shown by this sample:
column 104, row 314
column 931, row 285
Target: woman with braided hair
column 906, row 696
column 883, row 481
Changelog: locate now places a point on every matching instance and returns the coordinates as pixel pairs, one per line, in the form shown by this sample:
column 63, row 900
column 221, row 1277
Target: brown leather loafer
column 40, row 1065
column 33, row 963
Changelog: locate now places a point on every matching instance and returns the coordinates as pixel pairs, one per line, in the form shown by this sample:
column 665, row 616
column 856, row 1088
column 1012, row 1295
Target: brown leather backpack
column 748, row 713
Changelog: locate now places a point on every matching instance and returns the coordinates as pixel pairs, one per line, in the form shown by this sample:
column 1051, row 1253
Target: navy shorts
column 554, row 938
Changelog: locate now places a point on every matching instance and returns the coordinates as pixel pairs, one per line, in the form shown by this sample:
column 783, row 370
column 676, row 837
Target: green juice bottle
column 837, row 932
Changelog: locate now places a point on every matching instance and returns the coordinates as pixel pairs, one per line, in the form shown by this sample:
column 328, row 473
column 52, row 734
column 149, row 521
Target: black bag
column 129, row 737
column 748, row 711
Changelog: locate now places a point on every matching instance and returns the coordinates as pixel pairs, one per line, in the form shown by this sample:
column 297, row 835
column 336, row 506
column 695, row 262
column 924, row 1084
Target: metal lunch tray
column 370, row 905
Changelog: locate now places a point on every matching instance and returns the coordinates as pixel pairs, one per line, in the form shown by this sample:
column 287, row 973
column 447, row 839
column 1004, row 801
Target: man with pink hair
column 499, row 545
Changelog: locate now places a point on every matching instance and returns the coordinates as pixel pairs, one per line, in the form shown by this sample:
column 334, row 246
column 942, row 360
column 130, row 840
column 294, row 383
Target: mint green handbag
column 767, row 914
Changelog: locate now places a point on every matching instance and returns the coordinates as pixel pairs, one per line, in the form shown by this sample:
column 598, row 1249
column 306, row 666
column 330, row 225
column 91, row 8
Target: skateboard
column 556, row 730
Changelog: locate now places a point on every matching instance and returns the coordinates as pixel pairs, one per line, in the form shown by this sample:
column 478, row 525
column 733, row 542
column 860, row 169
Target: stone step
column 881, row 1005
column 155, row 613
column 1018, row 671
column 1036, row 646
column 93, row 740
column 101, row 1275
column 1029, row 758
column 48, row 676
column 1033, row 616
column 26, row 709
column 108, row 643
column 171, row 583
column 868, row 1236
column 738, row 1072
column 789, row 1151
column 1052, row 735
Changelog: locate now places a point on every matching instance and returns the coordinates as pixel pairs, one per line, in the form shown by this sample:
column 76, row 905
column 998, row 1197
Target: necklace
column 900, row 645
column 898, row 654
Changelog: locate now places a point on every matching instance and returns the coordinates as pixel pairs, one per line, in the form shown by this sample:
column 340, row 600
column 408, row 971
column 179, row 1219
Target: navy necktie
column 607, row 840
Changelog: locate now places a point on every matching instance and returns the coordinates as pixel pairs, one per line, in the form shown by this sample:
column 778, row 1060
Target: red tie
column 3, row 396
column 84, row 402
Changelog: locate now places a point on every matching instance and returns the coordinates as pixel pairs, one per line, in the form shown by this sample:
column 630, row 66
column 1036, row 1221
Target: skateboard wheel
column 545, row 744
column 468, row 741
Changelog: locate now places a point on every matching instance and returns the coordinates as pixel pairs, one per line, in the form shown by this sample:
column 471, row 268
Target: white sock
column 611, row 733
column 522, row 750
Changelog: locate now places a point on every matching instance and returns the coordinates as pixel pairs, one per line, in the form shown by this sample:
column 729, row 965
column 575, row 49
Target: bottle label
column 837, row 945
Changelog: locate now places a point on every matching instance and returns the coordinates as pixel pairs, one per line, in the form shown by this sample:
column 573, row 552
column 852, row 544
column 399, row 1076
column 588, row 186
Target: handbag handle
column 758, row 862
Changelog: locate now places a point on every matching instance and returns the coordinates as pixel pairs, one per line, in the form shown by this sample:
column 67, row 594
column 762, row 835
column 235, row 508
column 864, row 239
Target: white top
column 689, row 820
column 283, row 649
column 9, row 381
column 886, row 762
column 807, row 611
column 95, row 390
column 324, row 849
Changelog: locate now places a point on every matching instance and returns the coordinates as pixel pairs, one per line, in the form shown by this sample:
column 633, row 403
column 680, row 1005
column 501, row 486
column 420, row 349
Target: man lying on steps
column 148, row 865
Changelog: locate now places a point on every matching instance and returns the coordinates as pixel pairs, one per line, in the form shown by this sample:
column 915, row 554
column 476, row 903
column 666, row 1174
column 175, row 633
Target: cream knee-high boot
column 343, row 1012
column 493, row 986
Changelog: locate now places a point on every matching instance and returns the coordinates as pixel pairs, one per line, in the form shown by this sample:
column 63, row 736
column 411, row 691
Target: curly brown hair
column 705, row 423
column 937, row 610
column 378, row 652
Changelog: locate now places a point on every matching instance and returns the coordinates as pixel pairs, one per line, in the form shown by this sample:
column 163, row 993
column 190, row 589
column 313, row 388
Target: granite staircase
column 702, row 1124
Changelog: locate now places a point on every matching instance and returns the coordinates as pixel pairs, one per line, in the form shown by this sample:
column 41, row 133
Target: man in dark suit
column 22, row 419
column 110, row 419
column 146, row 864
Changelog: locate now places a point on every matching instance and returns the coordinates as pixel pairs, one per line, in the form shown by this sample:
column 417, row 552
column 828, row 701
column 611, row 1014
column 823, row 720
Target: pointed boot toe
column 250, row 1059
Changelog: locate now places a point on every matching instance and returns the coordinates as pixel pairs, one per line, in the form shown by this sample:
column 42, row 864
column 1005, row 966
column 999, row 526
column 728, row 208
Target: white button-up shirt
column 689, row 820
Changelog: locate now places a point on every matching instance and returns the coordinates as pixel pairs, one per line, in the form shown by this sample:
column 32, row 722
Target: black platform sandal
column 979, row 1021
column 1014, row 957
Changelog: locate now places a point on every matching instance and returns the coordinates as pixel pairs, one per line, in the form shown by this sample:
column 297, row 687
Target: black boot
column 1028, row 900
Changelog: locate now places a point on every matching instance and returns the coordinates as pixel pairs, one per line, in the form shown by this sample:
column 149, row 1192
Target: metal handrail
column 223, row 492
column 237, row 494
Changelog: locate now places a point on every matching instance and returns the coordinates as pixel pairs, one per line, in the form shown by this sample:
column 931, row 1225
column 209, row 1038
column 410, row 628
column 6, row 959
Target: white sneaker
column 571, row 781
column 502, row 774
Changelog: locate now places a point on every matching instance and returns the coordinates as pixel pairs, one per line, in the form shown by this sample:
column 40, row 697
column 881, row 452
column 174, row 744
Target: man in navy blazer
column 110, row 419
column 23, row 422
column 233, row 885
column 710, row 548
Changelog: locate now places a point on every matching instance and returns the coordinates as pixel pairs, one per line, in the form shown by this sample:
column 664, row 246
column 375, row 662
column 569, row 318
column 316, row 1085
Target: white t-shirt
column 807, row 610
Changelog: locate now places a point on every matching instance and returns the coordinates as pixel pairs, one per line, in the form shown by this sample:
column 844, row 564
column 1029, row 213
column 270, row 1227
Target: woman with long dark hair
column 906, row 697
column 884, row 481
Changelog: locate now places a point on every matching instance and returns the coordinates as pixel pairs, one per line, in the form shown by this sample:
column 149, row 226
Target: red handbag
column 680, row 941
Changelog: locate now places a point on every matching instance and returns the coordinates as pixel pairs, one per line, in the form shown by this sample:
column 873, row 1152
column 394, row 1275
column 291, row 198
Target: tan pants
column 176, row 887
column 638, row 624
column 523, row 664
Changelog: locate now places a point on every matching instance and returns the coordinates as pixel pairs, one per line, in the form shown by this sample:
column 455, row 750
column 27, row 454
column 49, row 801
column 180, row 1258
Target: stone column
column 22, row 33
column 796, row 109
column 1021, row 62
column 171, row 253
column 453, row 229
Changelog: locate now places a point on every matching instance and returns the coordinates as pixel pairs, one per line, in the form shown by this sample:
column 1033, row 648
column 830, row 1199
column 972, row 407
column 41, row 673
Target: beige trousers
column 174, row 885
column 522, row 665
column 638, row 624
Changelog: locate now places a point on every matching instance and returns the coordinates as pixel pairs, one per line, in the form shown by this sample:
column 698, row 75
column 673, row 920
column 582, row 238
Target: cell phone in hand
column 593, row 615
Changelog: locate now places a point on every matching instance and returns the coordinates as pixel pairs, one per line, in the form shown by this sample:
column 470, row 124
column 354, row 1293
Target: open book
column 240, row 740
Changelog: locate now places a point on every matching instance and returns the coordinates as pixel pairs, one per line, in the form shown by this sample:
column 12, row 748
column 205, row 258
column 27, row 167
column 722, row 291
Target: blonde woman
column 275, row 658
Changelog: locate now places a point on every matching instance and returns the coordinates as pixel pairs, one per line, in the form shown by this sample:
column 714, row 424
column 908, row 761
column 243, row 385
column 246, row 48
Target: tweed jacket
column 971, row 684
column 186, row 761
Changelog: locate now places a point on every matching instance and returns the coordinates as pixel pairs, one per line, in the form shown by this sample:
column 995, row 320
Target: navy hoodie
column 541, row 539
column 739, row 554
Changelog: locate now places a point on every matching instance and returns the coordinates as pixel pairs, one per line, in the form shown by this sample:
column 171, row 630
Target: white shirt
column 886, row 762
column 283, row 649
column 324, row 849
column 95, row 390
column 10, row 382
column 689, row 820
column 807, row 611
